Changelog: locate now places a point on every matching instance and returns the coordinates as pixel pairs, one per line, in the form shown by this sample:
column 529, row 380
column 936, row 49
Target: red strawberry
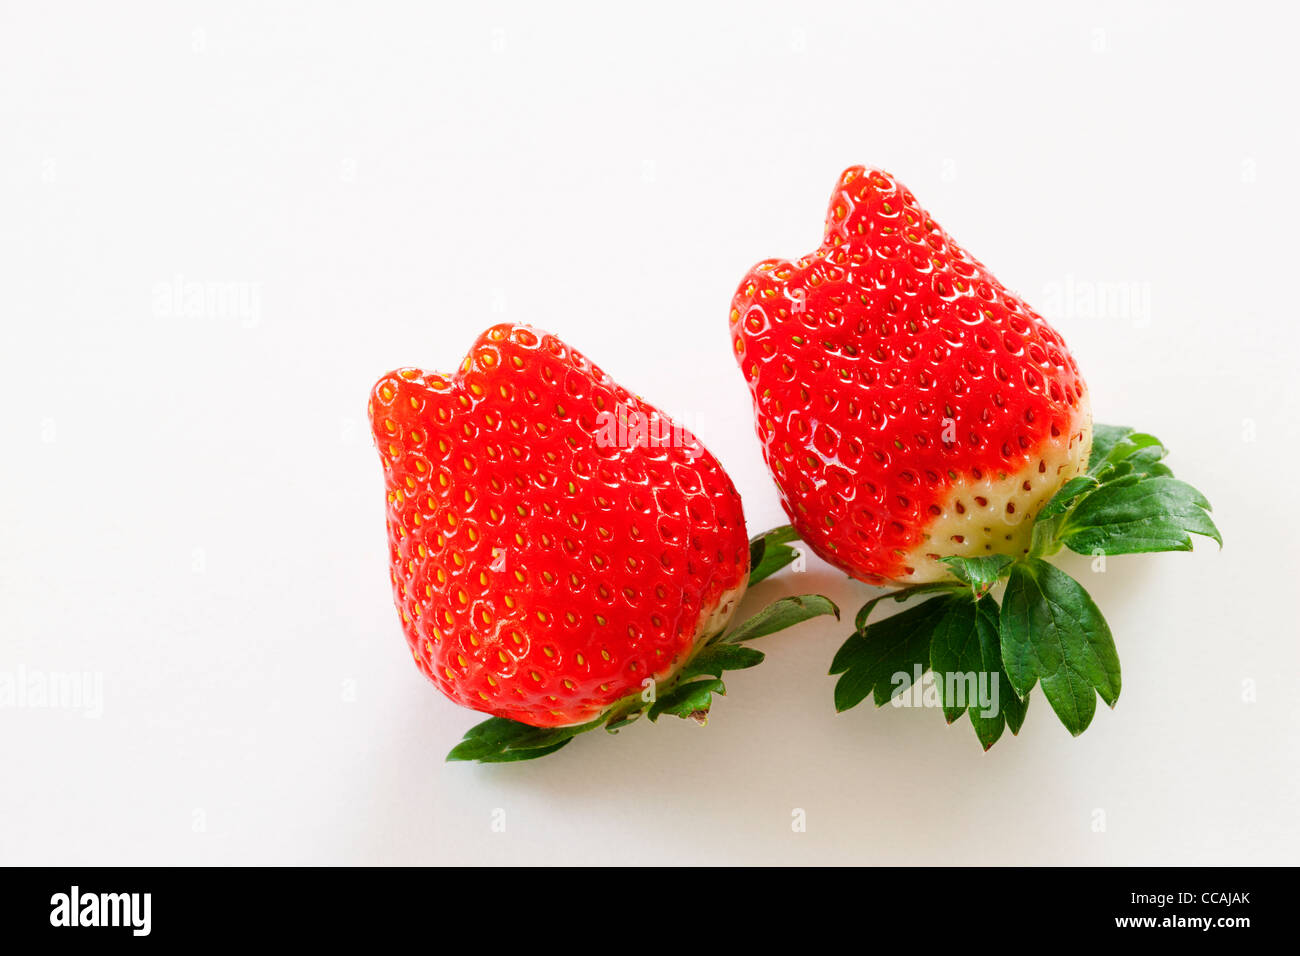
column 909, row 406
column 554, row 540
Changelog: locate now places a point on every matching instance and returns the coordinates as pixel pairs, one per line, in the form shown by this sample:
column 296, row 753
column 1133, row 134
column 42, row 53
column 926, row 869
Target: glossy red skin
column 857, row 353
column 540, row 574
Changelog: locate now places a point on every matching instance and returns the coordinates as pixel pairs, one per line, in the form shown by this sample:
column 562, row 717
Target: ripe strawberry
column 909, row 406
column 554, row 540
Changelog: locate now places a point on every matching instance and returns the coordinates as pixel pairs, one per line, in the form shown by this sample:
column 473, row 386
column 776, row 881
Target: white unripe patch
column 994, row 515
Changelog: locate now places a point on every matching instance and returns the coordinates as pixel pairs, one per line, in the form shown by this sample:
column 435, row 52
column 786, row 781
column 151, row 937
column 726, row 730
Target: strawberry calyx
column 986, row 656
column 688, row 694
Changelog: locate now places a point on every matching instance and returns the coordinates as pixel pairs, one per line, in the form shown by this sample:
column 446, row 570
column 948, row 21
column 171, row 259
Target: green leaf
column 980, row 574
column 850, row 651
column 1010, row 708
column 900, row 595
column 1044, row 539
column 955, row 656
column 1137, row 516
column 1136, row 452
column 510, row 756
column 622, row 718
column 1061, row 501
column 883, row 659
column 496, row 728
column 770, row 552
column 717, row 658
column 1134, row 504
column 491, row 736
column 547, row 736
column 1053, row 634
column 1148, row 460
column 689, row 699
column 966, row 658
column 781, row 614
column 1104, row 439
column 1113, row 444
column 494, row 738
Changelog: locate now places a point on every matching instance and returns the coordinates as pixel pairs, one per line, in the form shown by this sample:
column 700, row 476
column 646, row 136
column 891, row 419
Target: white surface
column 190, row 506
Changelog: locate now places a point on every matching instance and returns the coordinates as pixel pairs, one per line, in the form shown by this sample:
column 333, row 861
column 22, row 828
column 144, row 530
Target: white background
column 191, row 507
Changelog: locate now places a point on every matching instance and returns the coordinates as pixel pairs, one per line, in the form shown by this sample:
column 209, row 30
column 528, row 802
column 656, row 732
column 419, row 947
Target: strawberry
column 908, row 404
column 557, row 545
column 928, row 428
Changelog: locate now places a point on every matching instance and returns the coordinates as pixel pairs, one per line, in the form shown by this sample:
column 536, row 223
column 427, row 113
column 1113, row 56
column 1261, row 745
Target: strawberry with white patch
column 926, row 427
column 909, row 406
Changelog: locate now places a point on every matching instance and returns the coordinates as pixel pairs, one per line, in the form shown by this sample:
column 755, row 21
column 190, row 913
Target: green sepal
column 902, row 594
column 1151, row 513
column 511, row 756
column 1062, row 500
column 493, row 739
column 966, row 660
column 780, row 614
column 1052, row 634
column 950, row 634
column 1128, row 503
column 770, row 552
column 690, row 699
column 619, row 721
column 1112, row 445
column 1011, row 707
column 1104, row 439
column 716, row 658
column 979, row 574
column 882, row 660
